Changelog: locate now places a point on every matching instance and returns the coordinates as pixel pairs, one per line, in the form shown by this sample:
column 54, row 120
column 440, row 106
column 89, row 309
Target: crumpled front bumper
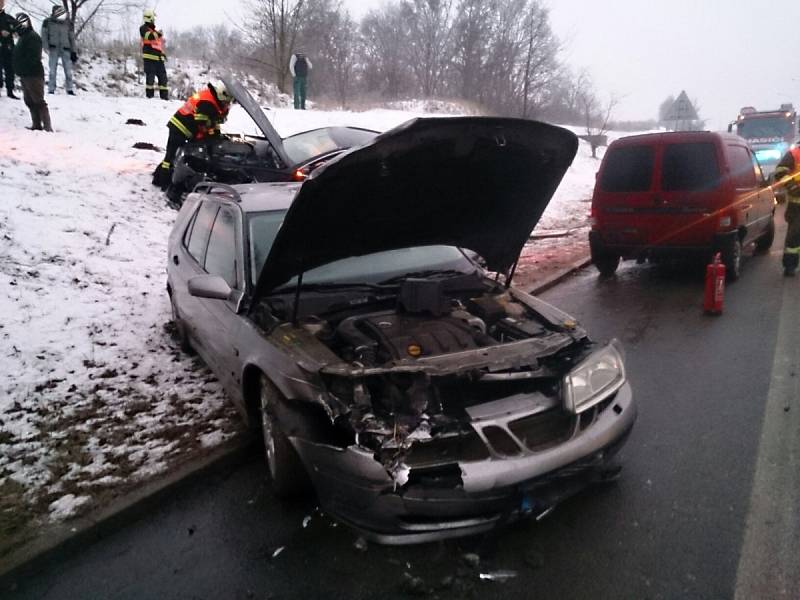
column 357, row 489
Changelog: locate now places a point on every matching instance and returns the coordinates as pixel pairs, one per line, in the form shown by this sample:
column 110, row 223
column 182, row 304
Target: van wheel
column 764, row 243
column 732, row 259
column 288, row 475
column 605, row 262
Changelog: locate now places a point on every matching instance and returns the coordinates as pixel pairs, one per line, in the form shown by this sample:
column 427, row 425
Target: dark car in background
column 236, row 159
column 365, row 319
column 680, row 195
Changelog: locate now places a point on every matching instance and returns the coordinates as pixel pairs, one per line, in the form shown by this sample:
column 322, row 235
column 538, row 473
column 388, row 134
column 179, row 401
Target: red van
column 679, row 194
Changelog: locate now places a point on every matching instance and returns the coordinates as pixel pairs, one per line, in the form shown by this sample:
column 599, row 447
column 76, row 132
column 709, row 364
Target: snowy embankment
column 94, row 395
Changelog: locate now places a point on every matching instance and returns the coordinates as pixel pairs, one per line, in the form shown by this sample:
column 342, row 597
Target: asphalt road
column 674, row 526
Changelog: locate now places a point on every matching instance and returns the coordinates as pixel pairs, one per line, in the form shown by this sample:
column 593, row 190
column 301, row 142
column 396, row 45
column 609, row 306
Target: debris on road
column 501, row 575
column 471, row 559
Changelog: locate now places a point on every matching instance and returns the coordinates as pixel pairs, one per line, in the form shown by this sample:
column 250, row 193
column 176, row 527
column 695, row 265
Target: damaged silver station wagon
column 366, row 320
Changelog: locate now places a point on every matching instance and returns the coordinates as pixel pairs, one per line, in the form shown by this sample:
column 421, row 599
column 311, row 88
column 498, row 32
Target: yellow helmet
column 221, row 91
column 149, row 16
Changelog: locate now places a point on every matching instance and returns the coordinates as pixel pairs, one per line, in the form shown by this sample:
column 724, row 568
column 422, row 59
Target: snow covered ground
column 95, row 396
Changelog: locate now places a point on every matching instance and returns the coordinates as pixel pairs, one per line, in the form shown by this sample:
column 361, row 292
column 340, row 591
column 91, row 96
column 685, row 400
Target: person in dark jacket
column 299, row 66
column 787, row 174
column 59, row 42
column 7, row 26
column 28, row 66
column 198, row 119
column 153, row 57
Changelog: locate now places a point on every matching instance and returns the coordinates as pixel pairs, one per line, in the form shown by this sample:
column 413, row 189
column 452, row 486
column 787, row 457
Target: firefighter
column 153, row 57
column 7, row 27
column 299, row 65
column 198, row 119
column 787, row 173
column 59, row 43
column 28, row 66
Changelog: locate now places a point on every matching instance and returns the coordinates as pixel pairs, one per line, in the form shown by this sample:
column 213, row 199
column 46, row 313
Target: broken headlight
column 594, row 379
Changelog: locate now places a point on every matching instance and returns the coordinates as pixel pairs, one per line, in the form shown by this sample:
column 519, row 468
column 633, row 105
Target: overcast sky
column 726, row 54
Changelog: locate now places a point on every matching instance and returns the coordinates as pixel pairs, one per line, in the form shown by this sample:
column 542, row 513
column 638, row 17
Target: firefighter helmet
column 23, row 21
column 221, row 91
column 149, row 16
column 58, row 12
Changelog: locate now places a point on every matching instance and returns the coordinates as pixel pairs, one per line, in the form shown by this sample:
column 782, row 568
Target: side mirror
column 209, row 286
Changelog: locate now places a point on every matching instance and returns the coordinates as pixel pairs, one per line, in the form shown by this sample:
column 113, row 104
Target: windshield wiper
column 444, row 273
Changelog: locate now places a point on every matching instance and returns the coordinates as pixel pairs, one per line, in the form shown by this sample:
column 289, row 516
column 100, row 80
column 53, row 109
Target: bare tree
column 472, row 34
column 540, row 64
column 431, row 29
column 665, row 107
column 80, row 13
column 596, row 116
column 340, row 51
column 385, row 40
column 275, row 26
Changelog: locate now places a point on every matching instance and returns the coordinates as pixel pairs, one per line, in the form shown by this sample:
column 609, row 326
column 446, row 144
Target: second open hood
column 251, row 107
column 479, row 183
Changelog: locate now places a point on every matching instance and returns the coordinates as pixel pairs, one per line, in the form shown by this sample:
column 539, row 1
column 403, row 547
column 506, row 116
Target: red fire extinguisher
column 715, row 287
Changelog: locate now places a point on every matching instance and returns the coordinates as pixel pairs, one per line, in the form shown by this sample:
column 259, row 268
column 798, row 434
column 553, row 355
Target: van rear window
column 628, row 169
column 690, row 167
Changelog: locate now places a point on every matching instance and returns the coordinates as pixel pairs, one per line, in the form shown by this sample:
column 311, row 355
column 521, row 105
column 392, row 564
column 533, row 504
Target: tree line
column 500, row 56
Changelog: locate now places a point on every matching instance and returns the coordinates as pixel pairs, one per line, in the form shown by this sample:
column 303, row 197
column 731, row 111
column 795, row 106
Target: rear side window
column 221, row 253
column 628, row 169
column 201, row 228
column 742, row 167
column 691, row 167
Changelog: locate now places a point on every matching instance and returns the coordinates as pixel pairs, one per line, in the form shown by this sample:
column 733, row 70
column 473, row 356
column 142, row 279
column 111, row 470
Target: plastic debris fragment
column 278, row 551
column 306, row 521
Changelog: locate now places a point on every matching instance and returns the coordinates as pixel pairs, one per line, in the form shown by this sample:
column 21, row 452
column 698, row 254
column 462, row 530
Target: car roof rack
column 223, row 188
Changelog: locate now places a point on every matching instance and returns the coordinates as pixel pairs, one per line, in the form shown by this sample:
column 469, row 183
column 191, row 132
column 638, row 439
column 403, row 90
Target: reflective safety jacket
column 152, row 42
column 790, row 165
column 200, row 116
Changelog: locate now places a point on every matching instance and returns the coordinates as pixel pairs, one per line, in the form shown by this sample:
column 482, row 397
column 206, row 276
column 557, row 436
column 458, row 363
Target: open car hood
column 251, row 107
column 480, row 183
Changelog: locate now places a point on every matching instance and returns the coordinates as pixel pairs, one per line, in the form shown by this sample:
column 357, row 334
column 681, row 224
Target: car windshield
column 766, row 127
column 304, row 146
column 370, row 268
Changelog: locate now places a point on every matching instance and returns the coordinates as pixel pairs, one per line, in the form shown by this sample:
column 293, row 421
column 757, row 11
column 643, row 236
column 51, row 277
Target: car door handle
column 175, row 259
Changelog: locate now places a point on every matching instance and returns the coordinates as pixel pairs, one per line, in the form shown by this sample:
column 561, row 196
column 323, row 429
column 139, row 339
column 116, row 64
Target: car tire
column 605, row 262
column 286, row 470
column 732, row 259
column 180, row 329
column 764, row 243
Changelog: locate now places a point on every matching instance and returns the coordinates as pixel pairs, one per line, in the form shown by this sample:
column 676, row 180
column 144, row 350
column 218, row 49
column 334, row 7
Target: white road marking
column 769, row 563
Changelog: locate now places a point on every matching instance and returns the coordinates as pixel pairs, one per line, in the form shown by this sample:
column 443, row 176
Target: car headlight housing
column 594, row 379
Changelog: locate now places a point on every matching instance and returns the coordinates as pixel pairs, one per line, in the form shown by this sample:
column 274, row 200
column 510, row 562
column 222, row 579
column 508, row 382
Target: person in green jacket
column 28, row 67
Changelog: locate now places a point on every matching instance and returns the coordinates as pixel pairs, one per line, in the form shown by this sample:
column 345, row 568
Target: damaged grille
column 544, row 430
column 465, row 447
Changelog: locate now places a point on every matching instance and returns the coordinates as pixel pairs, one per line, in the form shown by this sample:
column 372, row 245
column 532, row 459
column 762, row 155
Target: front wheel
column 732, row 259
column 285, row 468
